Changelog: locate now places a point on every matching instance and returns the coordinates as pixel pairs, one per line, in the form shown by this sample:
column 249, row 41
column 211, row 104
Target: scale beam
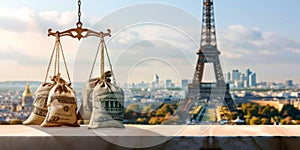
column 79, row 32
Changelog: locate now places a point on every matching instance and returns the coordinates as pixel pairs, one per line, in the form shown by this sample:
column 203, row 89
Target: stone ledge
column 151, row 137
column 154, row 130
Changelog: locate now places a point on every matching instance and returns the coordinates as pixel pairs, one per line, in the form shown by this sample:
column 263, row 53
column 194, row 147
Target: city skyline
column 249, row 36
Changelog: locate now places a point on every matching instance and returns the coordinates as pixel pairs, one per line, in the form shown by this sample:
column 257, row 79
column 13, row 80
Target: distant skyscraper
column 156, row 79
column 236, row 75
column 238, row 84
column 240, row 80
column 172, row 85
column 288, row 83
column 248, row 73
column 243, row 81
column 143, row 84
column 168, row 83
column 243, row 78
column 133, row 85
column 252, row 79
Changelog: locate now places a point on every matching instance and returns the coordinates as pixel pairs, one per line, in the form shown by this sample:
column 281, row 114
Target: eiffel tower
column 206, row 94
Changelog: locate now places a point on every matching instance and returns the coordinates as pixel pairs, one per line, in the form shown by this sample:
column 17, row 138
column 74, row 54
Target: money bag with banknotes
column 55, row 103
column 62, row 101
column 103, row 100
column 62, row 105
column 40, row 110
column 87, row 91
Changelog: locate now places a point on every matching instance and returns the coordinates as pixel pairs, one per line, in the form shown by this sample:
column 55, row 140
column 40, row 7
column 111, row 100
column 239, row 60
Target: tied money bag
column 40, row 104
column 62, row 105
column 87, row 97
column 108, row 104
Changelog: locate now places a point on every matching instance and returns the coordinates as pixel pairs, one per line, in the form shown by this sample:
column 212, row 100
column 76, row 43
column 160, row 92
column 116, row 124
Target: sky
column 151, row 37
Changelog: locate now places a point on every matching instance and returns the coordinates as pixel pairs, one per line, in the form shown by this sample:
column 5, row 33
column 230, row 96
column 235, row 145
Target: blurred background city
column 153, row 103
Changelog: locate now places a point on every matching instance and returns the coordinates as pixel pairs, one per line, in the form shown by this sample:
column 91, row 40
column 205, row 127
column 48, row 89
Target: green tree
column 265, row 111
column 244, row 108
column 255, row 121
column 15, row 122
column 151, row 113
column 132, row 112
column 133, row 108
column 164, row 110
column 142, row 120
column 247, row 119
column 252, row 112
column 286, row 121
column 232, row 115
column 273, row 112
column 147, row 108
column 155, row 120
column 224, row 109
column 265, row 121
column 297, row 117
column 173, row 107
column 288, row 110
column 275, row 119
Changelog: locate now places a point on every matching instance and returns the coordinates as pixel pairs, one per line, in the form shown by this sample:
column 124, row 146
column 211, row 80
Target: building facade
column 27, row 99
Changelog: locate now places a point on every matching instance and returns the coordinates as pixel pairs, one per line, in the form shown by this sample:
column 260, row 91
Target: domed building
column 27, row 99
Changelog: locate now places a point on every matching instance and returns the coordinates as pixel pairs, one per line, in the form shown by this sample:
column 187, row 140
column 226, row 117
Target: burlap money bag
column 87, row 97
column 108, row 105
column 62, row 106
column 40, row 110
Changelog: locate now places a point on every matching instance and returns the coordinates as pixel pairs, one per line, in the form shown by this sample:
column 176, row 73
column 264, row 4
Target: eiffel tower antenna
column 208, row 36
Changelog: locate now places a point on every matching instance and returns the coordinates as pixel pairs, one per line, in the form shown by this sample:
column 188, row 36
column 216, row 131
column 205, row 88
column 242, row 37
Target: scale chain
column 79, row 11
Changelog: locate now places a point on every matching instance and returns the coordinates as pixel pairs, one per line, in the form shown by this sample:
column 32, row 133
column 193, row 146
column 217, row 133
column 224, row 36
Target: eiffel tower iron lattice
column 198, row 91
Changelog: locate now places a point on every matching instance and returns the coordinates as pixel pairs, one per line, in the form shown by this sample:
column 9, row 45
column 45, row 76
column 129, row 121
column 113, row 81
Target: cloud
column 27, row 20
column 20, row 20
column 295, row 50
column 128, row 38
column 246, row 44
column 12, row 24
column 63, row 19
column 240, row 32
column 19, row 56
column 8, row 52
column 267, row 52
